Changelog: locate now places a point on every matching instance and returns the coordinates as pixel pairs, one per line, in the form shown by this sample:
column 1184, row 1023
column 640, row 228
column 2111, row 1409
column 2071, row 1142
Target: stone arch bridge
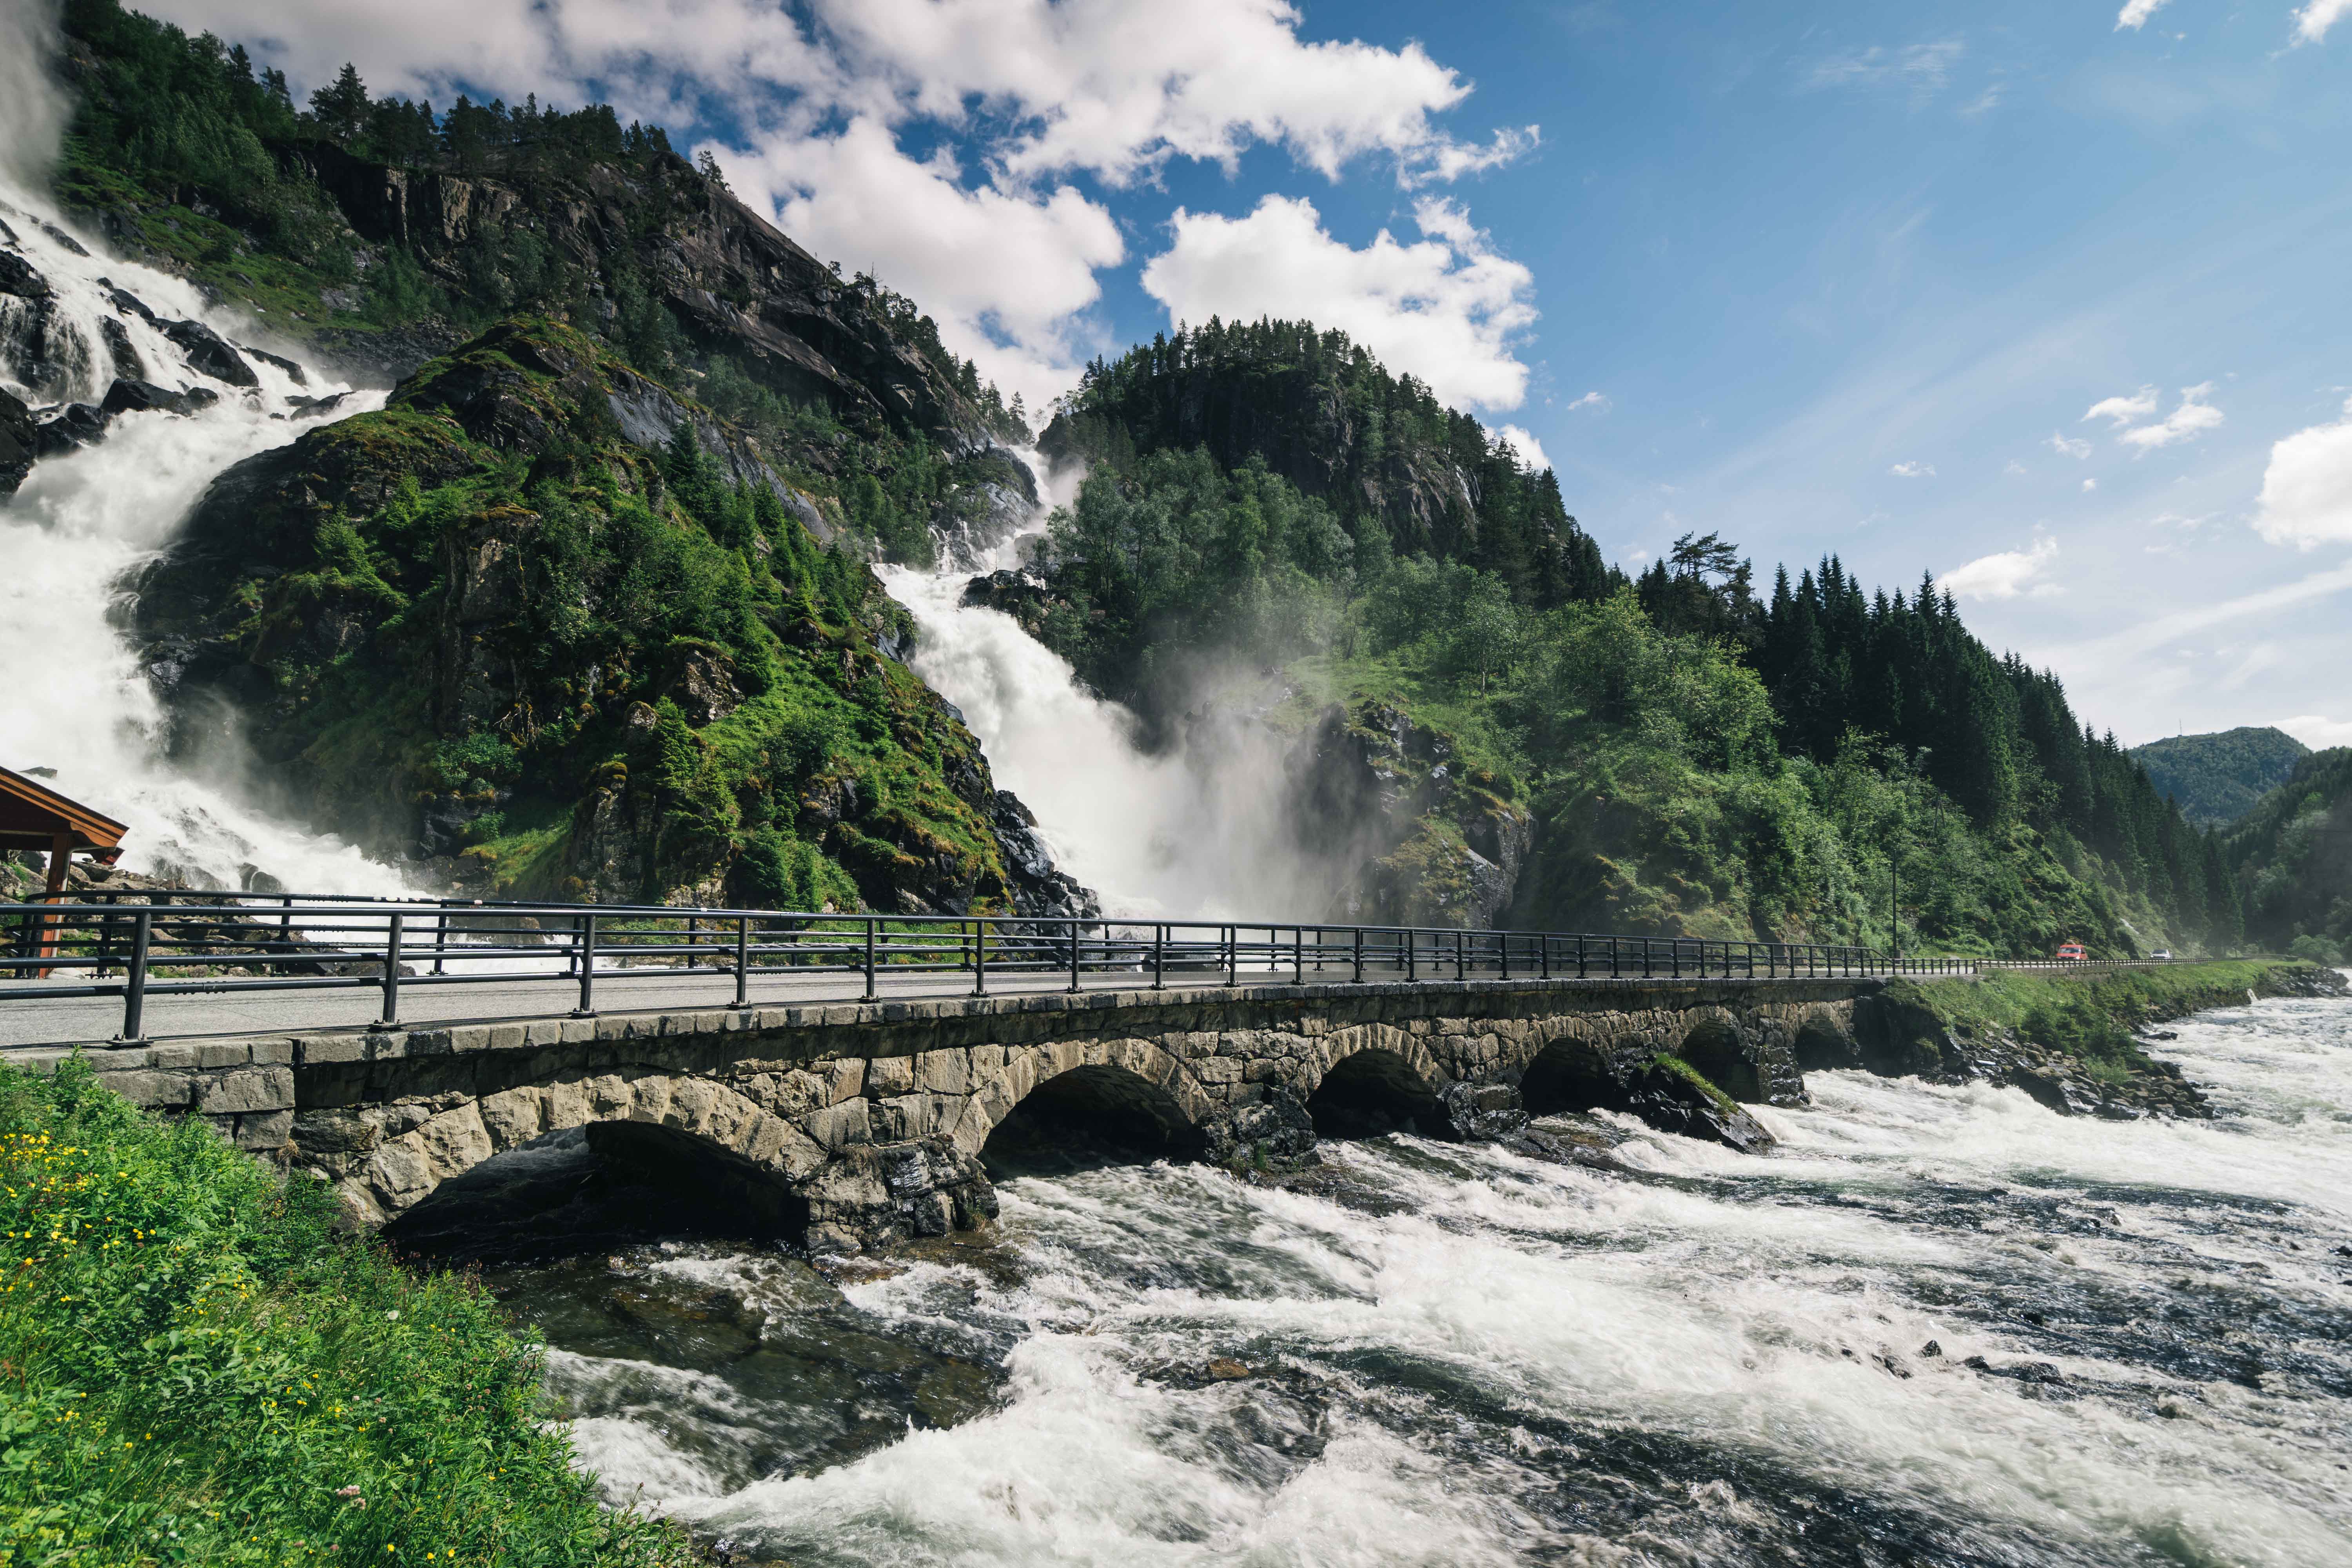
column 848, row 1126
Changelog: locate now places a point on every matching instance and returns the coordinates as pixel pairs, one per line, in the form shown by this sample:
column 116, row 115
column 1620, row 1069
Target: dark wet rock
column 1673, row 1098
column 1930, row 1351
column 121, row 350
column 76, row 425
column 1024, row 596
column 128, row 303
column 316, row 408
column 293, row 371
column 127, row 396
column 18, row 277
column 62, row 238
column 20, row 443
column 1039, row 886
column 209, row 354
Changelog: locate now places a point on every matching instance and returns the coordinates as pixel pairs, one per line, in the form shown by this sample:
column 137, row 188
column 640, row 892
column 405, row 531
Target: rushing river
column 1939, row 1326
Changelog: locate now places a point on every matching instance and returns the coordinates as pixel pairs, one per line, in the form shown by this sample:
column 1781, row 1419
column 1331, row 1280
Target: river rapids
column 1941, row 1325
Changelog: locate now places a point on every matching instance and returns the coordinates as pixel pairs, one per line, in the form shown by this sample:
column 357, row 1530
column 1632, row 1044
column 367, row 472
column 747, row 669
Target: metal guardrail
column 142, row 945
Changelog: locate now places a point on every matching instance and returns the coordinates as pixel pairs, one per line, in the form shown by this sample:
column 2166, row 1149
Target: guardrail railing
column 135, row 945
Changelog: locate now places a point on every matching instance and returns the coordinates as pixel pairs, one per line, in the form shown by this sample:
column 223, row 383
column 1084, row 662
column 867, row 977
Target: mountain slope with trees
column 585, row 609
column 2218, row 778
column 1695, row 757
column 2292, row 859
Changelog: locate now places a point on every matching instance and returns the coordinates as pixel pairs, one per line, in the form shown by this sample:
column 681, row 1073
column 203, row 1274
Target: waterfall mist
column 1203, row 827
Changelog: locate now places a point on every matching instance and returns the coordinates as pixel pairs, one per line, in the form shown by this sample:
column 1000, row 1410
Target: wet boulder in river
column 80, row 424
column 17, row 444
column 17, row 277
column 210, row 355
column 127, row 396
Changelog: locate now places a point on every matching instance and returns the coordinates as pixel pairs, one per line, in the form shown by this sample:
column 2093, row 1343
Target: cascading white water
column 74, row 699
column 1440, row 1353
column 1197, row 831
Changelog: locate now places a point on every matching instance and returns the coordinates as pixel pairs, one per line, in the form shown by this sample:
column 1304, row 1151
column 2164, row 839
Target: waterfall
column 1199, row 830
column 75, row 703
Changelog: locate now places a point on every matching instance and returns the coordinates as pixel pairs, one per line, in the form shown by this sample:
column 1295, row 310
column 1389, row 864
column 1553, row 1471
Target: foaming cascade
column 1941, row 1327
column 121, row 472
column 1199, row 830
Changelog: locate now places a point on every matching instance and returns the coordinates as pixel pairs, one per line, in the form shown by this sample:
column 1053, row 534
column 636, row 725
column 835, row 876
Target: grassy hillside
column 200, row 1369
column 2216, row 779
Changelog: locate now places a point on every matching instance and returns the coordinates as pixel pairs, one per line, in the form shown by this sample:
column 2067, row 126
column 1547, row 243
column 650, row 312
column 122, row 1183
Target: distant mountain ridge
column 2217, row 778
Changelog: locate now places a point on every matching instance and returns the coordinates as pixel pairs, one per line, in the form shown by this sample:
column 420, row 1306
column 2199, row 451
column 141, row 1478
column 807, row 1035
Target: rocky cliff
column 550, row 626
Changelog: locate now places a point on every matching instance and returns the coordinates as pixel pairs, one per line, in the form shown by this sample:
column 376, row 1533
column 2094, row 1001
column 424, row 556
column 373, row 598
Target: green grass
column 2089, row 1015
column 195, row 1368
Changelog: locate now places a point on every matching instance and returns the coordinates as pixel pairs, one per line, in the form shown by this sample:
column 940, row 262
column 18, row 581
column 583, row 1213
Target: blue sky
column 1821, row 278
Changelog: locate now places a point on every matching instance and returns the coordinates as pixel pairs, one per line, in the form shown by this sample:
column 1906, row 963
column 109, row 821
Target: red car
column 2072, row 953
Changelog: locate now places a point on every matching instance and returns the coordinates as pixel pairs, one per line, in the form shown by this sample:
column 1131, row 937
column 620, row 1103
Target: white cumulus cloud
column 2067, row 447
column 2193, row 417
column 2005, row 575
column 2311, row 23
column 2136, row 12
column 831, row 112
column 1005, row 272
column 2090, row 485
column 1598, row 401
column 1445, row 309
column 1913, row 470
column 2316, row 730
column 2306, row 497
column 1530, row 449
column 2124, row 410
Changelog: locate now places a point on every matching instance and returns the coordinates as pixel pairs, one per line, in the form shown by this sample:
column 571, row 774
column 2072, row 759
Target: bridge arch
column 1715, row 1043
column 403, row 1159
column 1054, row 1111
column 1375, row 1085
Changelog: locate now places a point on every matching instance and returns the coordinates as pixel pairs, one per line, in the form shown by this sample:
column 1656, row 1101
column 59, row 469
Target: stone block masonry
column 856, row 1124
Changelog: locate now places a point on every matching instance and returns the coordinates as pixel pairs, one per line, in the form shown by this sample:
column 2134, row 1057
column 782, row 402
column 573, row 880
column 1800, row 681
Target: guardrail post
column 1233, row 956
column 1299, row 956
column 586, row 927
column 1458, row 956
column 1543, row 953
column 134, row 979
column 870, row 924
column 1159, row 956
column 693, row 942
column 1503, row 957
column 1360, row 954
column 440, row 940
column 1073, row 954
column 980, row 958
column 1412, row 957
column 742, row 959
column 392, row 975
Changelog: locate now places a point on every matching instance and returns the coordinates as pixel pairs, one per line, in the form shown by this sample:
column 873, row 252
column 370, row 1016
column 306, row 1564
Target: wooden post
column 60, row 853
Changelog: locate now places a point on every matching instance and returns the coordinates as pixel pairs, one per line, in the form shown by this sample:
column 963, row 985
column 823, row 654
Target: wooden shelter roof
column 32, row 814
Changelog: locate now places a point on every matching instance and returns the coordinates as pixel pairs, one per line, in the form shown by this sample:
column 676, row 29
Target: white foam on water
column 1735, row 1306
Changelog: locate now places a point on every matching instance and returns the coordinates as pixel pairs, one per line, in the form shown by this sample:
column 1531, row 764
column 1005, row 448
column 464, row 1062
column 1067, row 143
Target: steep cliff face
column 550, row 628
column 1436, row 843
column 733, row 281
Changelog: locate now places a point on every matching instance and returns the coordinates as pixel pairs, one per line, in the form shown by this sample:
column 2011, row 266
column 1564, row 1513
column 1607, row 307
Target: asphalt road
column 92, row 1020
